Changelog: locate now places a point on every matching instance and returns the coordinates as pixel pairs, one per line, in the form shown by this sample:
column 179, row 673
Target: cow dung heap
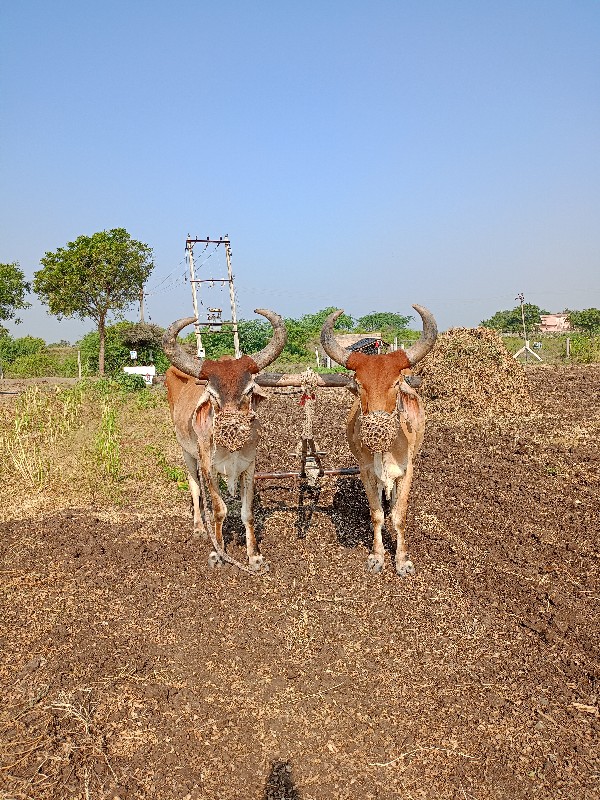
column 470, row 371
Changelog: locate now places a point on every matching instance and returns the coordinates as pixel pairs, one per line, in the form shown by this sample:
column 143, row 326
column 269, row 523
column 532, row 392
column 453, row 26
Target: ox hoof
column 405, row 568
column 374, row 563
column 199, row 533
column 215, row 560
column 258, row 564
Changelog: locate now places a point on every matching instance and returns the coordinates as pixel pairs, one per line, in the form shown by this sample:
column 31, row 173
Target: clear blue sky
column 365, row 155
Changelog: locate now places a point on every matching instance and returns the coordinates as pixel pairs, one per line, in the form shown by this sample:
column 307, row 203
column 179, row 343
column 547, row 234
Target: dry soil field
column 130, row 670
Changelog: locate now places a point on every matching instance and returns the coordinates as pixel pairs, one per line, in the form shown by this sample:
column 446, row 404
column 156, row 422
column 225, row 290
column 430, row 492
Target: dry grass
column 72, row 447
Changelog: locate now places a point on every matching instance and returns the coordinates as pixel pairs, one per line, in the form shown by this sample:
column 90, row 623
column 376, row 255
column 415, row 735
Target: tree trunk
column 102, row 335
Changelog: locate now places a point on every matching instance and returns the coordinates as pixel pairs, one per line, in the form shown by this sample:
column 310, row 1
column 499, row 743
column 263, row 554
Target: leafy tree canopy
column 511, row 321
column 314, row 322
column 587, row 320
column 385, row 321
column 13, row 288
column 93, row 276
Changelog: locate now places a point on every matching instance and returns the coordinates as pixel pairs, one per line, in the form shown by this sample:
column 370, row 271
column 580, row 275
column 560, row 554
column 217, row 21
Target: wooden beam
column 272, row 379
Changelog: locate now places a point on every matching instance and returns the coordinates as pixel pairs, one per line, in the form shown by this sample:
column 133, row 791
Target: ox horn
column 330, row 344
column 419, row 349
column 175, row 352
column 273, row 350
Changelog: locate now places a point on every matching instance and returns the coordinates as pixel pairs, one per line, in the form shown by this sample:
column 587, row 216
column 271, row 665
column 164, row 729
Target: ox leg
column 219, row 512
column 404, row 565
column 192, row 468
column 255, row 558
column 376, row 559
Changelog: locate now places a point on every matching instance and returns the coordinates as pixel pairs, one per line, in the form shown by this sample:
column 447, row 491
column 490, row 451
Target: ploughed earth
column 129, row 669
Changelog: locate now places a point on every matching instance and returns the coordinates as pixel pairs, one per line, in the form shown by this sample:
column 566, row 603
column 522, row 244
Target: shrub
column 35, row 365
column 129, row 383
column 585, row 349
column 118, row 343
column 11, row 349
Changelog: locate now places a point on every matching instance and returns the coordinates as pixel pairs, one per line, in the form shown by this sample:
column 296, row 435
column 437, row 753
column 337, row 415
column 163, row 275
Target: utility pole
column 142, row 303
column 189, row 246
column 236, row 338
column 194, row 282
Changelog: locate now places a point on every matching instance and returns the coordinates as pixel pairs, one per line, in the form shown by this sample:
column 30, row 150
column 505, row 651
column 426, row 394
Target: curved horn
column 331, row 346
column 175, row 352
column 273, row 350
column 419, row 349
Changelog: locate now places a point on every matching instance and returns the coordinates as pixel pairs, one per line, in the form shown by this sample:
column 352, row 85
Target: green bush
column 129, row 383
column 11, row 349
column 584, row 349
column 35, row 365
column 117, row 348
column 69, row 367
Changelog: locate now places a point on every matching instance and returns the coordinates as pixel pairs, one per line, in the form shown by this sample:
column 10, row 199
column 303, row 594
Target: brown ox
column 213, row 406
column 385, row 430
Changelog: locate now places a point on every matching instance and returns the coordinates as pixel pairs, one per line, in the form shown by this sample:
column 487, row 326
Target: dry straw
column 471, row 372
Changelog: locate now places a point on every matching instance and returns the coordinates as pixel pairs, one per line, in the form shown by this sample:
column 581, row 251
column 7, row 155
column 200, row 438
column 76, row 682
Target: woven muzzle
column 378, row 430
column 232, row 429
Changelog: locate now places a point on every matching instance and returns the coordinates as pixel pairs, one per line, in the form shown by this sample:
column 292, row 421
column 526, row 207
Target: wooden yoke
column 275, row 379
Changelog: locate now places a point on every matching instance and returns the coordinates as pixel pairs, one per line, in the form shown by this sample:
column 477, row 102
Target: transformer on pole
column 214, row 321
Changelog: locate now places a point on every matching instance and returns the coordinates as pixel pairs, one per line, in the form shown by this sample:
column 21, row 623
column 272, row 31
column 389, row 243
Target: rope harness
column 310, row 381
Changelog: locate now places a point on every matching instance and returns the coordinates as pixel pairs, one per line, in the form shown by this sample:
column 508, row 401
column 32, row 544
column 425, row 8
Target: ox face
column 230, row 381
column 378, row 379
column 232, row 395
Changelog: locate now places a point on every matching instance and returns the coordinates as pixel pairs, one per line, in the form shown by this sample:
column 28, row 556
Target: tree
column 304, row 333
column 13, row 288
column 511, row 321
column 389, row 323
column 587, row 320
column 94, row 276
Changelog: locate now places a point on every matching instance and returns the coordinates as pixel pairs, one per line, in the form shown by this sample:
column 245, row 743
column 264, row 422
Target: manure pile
column 470, row 371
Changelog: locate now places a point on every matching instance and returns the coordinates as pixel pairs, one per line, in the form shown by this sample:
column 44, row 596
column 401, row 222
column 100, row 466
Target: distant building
column 554, row 323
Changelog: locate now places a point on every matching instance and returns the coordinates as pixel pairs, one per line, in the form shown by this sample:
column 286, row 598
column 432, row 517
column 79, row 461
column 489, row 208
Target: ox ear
column 258, row 394
column 201, row 415
column 411, row 405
